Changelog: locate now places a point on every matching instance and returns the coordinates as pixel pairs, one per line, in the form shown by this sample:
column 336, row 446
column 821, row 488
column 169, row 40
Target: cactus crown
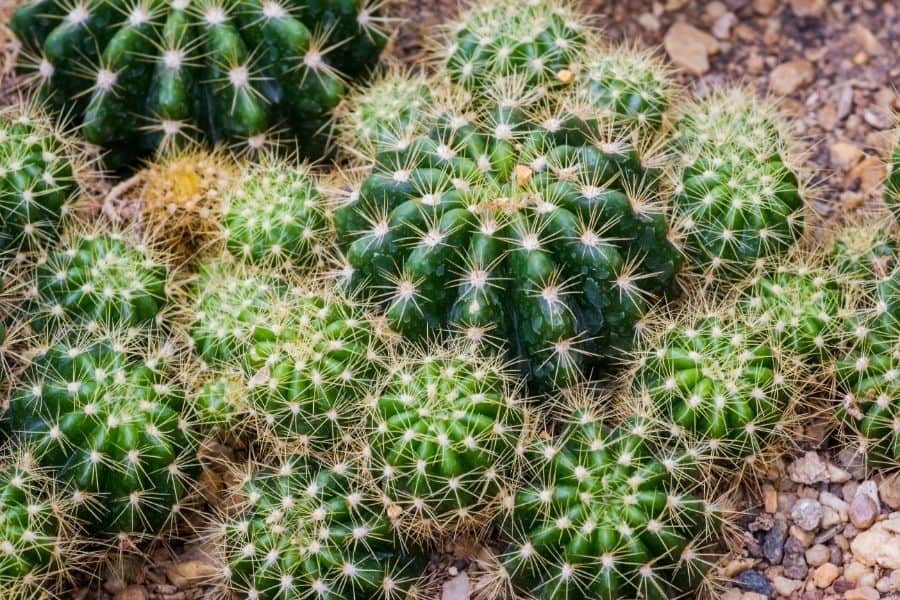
column 306, row 530
column 864, row 252
column 604, row 513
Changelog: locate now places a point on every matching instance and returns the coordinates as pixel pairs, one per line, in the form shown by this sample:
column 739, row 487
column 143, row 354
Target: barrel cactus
column 220, row 401
column 714, row 380
column 39, row 169
column 159, row 72
column 517, row 226
column 864, row 251
column 100, row 277
column 444, row 432
column 107, row 418
column 739, row 195
column 306, row 530
column 603, row 514
column 892, row 184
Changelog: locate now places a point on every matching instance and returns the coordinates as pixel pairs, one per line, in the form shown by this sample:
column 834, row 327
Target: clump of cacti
column 712, row 379
column 100, row 277
column 156, row 74
column 275, row 216
column 444, row 430
column 306, row 530
column 603, row 513
column 739, row 195
column 39, row 169
column 519, row 225
column 107, row 418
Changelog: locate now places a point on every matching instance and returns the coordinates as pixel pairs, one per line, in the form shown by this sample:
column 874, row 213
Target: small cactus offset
column 107, row 418
column 99, row 277
column 713, row 380
column 39, row 169
column 521, row 226
column 305, row 530
column 603, row 514
column 275, row 217
column 445, row 429
column 739, row 197
column 159, row 73
column 220, row 402
column 865, row 252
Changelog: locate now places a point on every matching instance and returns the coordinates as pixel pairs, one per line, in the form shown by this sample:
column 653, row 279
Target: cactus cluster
column 159, row 73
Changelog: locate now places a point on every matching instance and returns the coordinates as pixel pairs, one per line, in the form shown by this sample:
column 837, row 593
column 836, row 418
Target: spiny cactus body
column 713, row 380
column 603, row 514
column 863, row 253
column 38, row 183
column 158, row 72
column 892, row 184
column 444, row 431
column 738, row 196
column 517, row 225
column 102, row 278
column 305, row 530
column 108, row 421
column 220, row 401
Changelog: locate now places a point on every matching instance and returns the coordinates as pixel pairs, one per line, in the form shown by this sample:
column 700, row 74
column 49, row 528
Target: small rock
column 191, row 573
column 649, row 22
column 830, row 500
column 878, row 117
column 773, row 544
column 808, row 469
column 863, row 512
column 721, row 28
column 791, row 76
column 813, row 595
column 808, row 8
column 770, row 499
column 824, row 575
column 880, row 545
column 817, row 555
column 889, row 490
column 844, row 155
column 870, row 488
column 867, row 40
column 753, row 581
column 794, row 561
column 862, row 593
column 689, row 48
column 837, row 474
column 132, row 592
column 456, row 588
column 784, row 586
column 845, row 103
column 841, row 585
column 737, row 566
column 807, row 514
column 765, row 7
column 854, row 571
column 869, row 172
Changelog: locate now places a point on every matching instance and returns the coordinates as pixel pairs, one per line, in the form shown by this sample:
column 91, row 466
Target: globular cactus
column 739, row 195
column 892, row 183
column 538, row 40
column 603, row 514
column 711, row 379
column 310, row 373
column 305, row 530
column 39, row 170
column 520, row 226
column 864, row 251
column 220, row 401
column 155, row 73
column 101, row 277
column 35, row 535
column 106, row 417
column 275, row 217
column 444, row 431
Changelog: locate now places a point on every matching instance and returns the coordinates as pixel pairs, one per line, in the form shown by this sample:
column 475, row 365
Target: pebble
column 784, row 586
column 456, row 588
column 132, row 592
column 880, row 545
column 831, row 501
column 191, row 573
column 807, row 514
column 770, row 499
column 808, row 8
column 812, row 595
column 862, row 593
column 765, row 7
column 753, row 581
column 808, row 469
column 689, row 48
column 824, row 575
column 722, row 26
column 878, row 118
column 773, row 544
column 844, row 155
column 791, row 76
column 817, row 555
column 863, row 511
column 794, row 561
column 854, row 571
column 889, row 491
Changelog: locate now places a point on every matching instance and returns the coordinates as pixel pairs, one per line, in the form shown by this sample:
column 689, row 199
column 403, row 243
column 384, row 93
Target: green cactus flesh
column 515, row 226
column 112, row 428
column 276, row 217
column 738, row 198
column 305, row 530
column 864, row 253
column 717, row 382
column 892, row 185
column 141, row 74
column 221, row 402
column 604, row 515
column 104, row 279
column 442, row 441
column 37, row 185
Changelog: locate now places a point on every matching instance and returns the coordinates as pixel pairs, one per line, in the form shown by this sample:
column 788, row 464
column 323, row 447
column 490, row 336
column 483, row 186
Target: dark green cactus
column 303, row 530
column 603, row 514
column 892, row 184
column 109, row 421
column 739, row 198
column 865, row 252
column 516, row 225
column 38, row 170
column 444, row 432
column 139, row 75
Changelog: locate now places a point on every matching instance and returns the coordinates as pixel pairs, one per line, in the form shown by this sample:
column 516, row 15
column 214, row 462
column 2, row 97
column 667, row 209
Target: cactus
column 33, row 534
column 603, row 514
column 39, row 169
column 106, row 417
column 160, row 72
column 276, row 217
column 739, row 197
column 99, row 277
column 864, row 252
column 518, row 226
column 220, row 401
column 711, row 379
column 309, row 373
column 444, row 431
column 892, row 184
column 303, row 530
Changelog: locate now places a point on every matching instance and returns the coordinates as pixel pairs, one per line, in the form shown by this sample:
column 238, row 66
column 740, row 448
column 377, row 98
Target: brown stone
column 791, row 76
column 689, row 48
